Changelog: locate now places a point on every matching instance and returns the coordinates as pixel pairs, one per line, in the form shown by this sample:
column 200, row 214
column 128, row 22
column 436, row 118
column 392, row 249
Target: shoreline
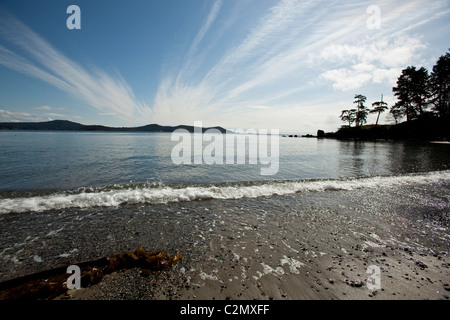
column 425, row 128
column 304, row 246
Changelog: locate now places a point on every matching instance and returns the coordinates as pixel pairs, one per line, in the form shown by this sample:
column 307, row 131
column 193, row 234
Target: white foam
column 294, row 265
column 167, row 194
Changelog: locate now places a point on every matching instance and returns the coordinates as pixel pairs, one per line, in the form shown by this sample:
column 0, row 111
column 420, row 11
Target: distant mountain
column 50, row 125
column 65, row 125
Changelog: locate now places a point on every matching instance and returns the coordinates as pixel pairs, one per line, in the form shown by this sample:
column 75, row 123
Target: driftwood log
column 52, row 283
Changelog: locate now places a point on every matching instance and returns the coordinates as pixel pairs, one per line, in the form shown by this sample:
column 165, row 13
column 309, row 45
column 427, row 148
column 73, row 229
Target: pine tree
column 440, row 86
column 379, row 107
column 361, row 111
column 412, row 91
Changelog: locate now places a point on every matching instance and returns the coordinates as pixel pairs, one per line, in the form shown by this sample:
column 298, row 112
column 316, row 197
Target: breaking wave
column 160, row 193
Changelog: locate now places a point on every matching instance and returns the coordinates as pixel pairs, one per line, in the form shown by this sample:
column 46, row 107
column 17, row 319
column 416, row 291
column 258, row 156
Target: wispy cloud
column 175, row 94
column 378, row 57
column 10, row 116
column 283, row 68
column 263, row 56
column 43, row 108
column 109, row 114
column 295, row 50
column 379, row 62
column 190, row 56
column 94, row 87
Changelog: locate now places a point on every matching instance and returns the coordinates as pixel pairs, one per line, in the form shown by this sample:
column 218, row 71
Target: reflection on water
column 374, row 158
column 68, row 160
column 362, row 158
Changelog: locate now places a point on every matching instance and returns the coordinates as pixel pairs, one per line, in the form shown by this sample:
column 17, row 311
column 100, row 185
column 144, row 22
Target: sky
column 262, row 64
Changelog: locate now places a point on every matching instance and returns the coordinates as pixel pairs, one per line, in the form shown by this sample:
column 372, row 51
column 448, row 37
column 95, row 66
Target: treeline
column 422, row 97
column 359, row 115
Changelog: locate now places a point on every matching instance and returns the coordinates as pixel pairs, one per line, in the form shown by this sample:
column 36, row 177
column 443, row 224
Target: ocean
column 57, row 170
column 309, row 231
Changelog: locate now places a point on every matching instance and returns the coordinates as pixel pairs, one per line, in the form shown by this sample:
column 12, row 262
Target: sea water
column 57, row 170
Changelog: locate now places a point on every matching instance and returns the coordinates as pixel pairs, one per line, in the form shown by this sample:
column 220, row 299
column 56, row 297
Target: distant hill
column 65, row 125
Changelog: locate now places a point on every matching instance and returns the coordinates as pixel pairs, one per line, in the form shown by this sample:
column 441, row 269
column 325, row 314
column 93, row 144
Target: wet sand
column 305, row 246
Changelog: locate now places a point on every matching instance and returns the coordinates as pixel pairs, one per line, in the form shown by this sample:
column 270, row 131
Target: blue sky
column 288, row 65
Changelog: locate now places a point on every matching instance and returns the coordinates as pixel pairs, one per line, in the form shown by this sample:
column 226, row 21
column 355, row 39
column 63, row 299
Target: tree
column 440, row 86
column 412, row 91
column 396, row 112
column 379, row 107
column 361, row 111
column 348, row 116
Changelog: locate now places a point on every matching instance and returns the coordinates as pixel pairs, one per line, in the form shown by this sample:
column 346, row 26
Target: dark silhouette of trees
column 379, row 107
column 439, row 86
column 423, row 98
column 396, row 112
column 358, row 115
column 412, row 92
column 348, row 116
column 361, row 111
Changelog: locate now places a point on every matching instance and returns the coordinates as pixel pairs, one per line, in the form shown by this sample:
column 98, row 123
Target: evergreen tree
column 396, row 112
column 348, row 116
column 361, row 111
column 412, row 91
column 440, row 86
column 379, row 107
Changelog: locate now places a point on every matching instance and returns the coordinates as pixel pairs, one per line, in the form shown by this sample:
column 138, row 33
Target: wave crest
column 112, row 196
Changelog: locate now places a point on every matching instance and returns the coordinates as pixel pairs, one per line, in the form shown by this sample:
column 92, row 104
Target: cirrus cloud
column 41, row 60
column 267, row 67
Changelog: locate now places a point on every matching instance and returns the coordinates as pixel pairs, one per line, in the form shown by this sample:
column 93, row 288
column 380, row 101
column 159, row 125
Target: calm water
column 56, row 170
column 69, row 160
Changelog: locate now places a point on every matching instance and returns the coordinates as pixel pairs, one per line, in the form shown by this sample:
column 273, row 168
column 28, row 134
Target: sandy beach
column 304, row 246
